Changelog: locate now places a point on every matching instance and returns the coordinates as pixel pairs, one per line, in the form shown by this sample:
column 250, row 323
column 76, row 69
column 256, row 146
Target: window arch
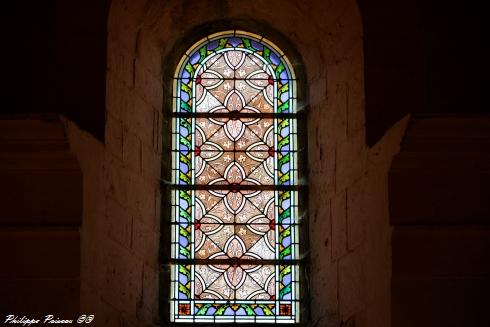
column 234, row 254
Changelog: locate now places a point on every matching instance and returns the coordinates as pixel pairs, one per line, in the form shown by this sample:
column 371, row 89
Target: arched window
column 234, row 199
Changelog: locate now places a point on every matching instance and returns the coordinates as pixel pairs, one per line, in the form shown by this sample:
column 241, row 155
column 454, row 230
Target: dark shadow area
column 423, row 57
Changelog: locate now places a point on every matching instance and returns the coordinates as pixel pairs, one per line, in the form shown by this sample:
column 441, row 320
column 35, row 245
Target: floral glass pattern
column 234, row 253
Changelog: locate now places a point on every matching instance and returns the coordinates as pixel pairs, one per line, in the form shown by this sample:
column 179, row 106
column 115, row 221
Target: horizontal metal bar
column 237, row 151
column 237, row 115
column 233, row 301
column 283, row 152
column 235, row 79
column 234, row 187
column 235, row 262
column 176, row 223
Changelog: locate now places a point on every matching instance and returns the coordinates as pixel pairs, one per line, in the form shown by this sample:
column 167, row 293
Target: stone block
column 141, row 202
column 120, row 97
column 314, row 150
column 105, row 314
column 316, row 71
column 327, row 164
column 355, row 105
column 145, row 243
column 351, row 285
column 356, row 215
column 149, row 53
column 335, row 112
column 339, row 225
column 346, row 66
column 120, row 62
column 148, row 86
column 114, row 135
column 116, row 180
column 131, row 150
column 351, row 158
column 150, row 164
column 140, row 119
column 321, row 177
column 159, row 127
column 122, row 278
column 326, row 12
column 119, row 223
column 149, row 303
column 318, row 88
column 321, row 235
column 346, row 33
column 324, row 294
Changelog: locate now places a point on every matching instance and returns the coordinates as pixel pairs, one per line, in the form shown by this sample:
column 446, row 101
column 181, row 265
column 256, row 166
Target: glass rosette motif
column 234, row 200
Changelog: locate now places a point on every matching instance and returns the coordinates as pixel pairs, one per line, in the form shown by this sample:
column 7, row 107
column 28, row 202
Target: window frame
column 166, row 185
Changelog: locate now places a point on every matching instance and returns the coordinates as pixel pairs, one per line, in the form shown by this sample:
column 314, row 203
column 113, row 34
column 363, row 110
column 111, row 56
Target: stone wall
column 438, row 189
column 348, row 210
column 40, row 218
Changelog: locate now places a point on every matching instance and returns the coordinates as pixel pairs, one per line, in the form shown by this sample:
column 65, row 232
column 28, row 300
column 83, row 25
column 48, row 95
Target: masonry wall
column 348, row 208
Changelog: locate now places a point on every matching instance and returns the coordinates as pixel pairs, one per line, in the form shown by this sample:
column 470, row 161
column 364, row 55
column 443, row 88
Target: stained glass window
column 234, row 217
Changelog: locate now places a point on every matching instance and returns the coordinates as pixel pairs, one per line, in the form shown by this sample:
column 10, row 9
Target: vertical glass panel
column 234, row 217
